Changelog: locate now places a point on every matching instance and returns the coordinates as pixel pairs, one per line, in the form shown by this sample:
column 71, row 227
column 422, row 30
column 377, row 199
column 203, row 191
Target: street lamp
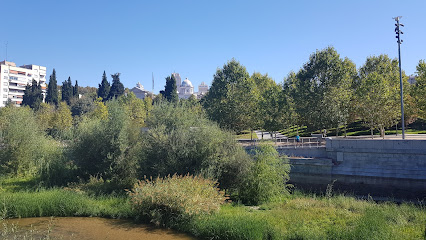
column 398, row 36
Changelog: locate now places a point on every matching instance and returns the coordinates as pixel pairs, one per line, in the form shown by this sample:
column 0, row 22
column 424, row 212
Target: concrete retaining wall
column 381, row 168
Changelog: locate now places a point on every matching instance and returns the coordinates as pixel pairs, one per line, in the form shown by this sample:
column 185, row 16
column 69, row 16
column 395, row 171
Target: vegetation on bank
column 296, row 216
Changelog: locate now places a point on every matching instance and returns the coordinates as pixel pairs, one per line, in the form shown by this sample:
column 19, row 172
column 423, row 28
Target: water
column 82, row 228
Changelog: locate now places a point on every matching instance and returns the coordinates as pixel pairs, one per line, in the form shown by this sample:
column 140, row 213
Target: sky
column 138, row 39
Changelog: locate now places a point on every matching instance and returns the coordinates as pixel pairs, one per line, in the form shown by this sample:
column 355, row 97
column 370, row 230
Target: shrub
column 182, row 141
column 267, row 177
column 172, row 200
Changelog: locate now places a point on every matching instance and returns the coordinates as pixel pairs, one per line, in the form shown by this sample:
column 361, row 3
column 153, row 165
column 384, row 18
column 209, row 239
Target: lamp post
column 398, row 36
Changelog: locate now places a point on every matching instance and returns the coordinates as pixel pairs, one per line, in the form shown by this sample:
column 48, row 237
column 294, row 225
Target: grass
column 297, row 216
column 303, row 217
column 246, row 135
column 357, row 128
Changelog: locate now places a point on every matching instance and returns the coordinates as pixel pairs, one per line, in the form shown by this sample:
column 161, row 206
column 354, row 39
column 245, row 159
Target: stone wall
column 381, row 168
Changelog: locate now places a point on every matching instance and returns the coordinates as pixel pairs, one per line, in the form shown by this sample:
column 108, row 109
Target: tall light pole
column 398, row 36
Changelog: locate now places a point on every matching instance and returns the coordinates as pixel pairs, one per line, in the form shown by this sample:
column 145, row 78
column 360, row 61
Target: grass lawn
column 246, row 135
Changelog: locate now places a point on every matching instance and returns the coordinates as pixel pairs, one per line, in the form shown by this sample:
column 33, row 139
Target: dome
column 186, row 83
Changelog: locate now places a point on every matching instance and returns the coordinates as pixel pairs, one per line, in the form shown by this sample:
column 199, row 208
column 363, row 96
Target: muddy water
column 81, row 228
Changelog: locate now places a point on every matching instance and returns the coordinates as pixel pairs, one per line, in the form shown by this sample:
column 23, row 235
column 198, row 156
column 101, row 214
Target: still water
column 85, row 228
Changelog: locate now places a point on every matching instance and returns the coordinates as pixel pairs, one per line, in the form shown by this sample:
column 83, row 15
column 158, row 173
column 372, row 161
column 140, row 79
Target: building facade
column 185, row 88
column 13, row 80
column 140, row 92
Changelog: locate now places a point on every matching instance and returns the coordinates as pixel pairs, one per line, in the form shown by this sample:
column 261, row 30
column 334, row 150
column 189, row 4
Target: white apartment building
column 13, row 80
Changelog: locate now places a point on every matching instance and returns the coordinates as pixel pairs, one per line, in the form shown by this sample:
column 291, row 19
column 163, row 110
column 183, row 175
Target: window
column 4, row 102
column 13, row 78
column 5, row 77
column 4, row 95
column 5, row 71
column 5, row 83
column 4, row 89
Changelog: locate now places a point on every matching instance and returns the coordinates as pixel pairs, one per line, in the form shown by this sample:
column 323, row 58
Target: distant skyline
column 81, row 39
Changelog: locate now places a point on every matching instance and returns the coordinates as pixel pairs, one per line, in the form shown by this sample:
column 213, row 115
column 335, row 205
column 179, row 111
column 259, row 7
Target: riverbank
column 297, row 216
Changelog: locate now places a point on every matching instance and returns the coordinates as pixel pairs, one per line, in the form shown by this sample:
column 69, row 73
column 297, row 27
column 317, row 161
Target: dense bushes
column 181, row 141
column 176, row 199
column 24, row 147
column 267, row 177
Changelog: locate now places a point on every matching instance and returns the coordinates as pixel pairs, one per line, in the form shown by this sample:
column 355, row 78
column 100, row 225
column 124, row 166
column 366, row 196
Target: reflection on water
column 95, row 228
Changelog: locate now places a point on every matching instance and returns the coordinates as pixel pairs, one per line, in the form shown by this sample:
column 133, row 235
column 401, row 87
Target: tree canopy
column 233, row 97
column 52, row 89
column 104, row 88
column 117, row 88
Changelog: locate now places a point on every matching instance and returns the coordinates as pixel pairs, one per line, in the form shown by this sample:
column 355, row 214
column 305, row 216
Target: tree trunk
column 337, row 131
column 251, row 135
column 371, row 130
column 345, row 130
column 382, row 132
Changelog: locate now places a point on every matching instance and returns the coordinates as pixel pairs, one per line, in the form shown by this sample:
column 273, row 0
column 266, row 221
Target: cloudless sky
column 81, row 39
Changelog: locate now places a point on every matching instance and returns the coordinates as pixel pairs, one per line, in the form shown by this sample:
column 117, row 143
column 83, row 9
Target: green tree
column 183, row 141
column 67, row 91
column 75, row 91
column 62, row 119
column 233, row 98
column 100, row 111
column 33, row 95
column 315, row 88
column 170, row 90
column 104, row 88
column 267, row 177
column 135, row 108
column 45, row 115
column 117, row 88
column 52, row 89
column 419, row 89
column 377, row 92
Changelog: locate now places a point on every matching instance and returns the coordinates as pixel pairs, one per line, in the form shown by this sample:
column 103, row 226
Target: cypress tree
column 75, row 90
column 67, row 91
column 33, row 95
column 52, row 89
column 104, row 88
column 170, row 89
column 117, row 88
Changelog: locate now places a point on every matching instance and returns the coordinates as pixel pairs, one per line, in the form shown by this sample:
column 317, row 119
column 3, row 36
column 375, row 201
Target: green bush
column 183, row 141
column 24, row 147
column 267, row 177
column 174, row 200
column 105, row 147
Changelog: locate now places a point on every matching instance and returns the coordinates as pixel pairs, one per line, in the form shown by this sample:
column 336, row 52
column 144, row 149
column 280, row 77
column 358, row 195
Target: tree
column 67, row 91
column 419, row 89
column 233, row 97
column 377, row 92
column 267, row 177
column 52, row 90
column 33, row 95
column 135, row 108
column 117, row 88
column 170, row 89
column 315, row 87
column 75, row 92
column 104, row 88
column 62, row 118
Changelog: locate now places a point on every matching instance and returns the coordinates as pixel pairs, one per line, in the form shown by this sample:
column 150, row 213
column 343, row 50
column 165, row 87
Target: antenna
column 152, row 82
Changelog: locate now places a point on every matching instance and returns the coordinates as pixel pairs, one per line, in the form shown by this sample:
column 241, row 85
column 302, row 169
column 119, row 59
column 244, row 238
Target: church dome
column 186, row 83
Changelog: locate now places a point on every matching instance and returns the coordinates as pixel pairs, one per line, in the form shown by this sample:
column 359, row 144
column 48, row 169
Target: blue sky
column 81, row 39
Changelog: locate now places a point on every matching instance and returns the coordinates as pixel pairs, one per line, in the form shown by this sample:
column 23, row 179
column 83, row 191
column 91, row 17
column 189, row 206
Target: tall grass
column 61, row 203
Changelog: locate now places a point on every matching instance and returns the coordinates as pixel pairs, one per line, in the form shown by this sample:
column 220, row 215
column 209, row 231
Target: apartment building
column 13, row 80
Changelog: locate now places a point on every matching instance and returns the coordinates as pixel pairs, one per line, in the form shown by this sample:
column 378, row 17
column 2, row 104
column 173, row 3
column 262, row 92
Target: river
column 87, row 228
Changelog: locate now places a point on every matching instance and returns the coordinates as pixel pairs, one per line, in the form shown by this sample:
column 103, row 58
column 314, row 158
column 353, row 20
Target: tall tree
column 233, row 97
column 67, row 91
column 117, row 88
column 419, row 89
column 52, row 89
column 33, row 95
column 377, row 92
column 315, row 88
column 104, row 88
column 75, row 91
column 170, row 89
